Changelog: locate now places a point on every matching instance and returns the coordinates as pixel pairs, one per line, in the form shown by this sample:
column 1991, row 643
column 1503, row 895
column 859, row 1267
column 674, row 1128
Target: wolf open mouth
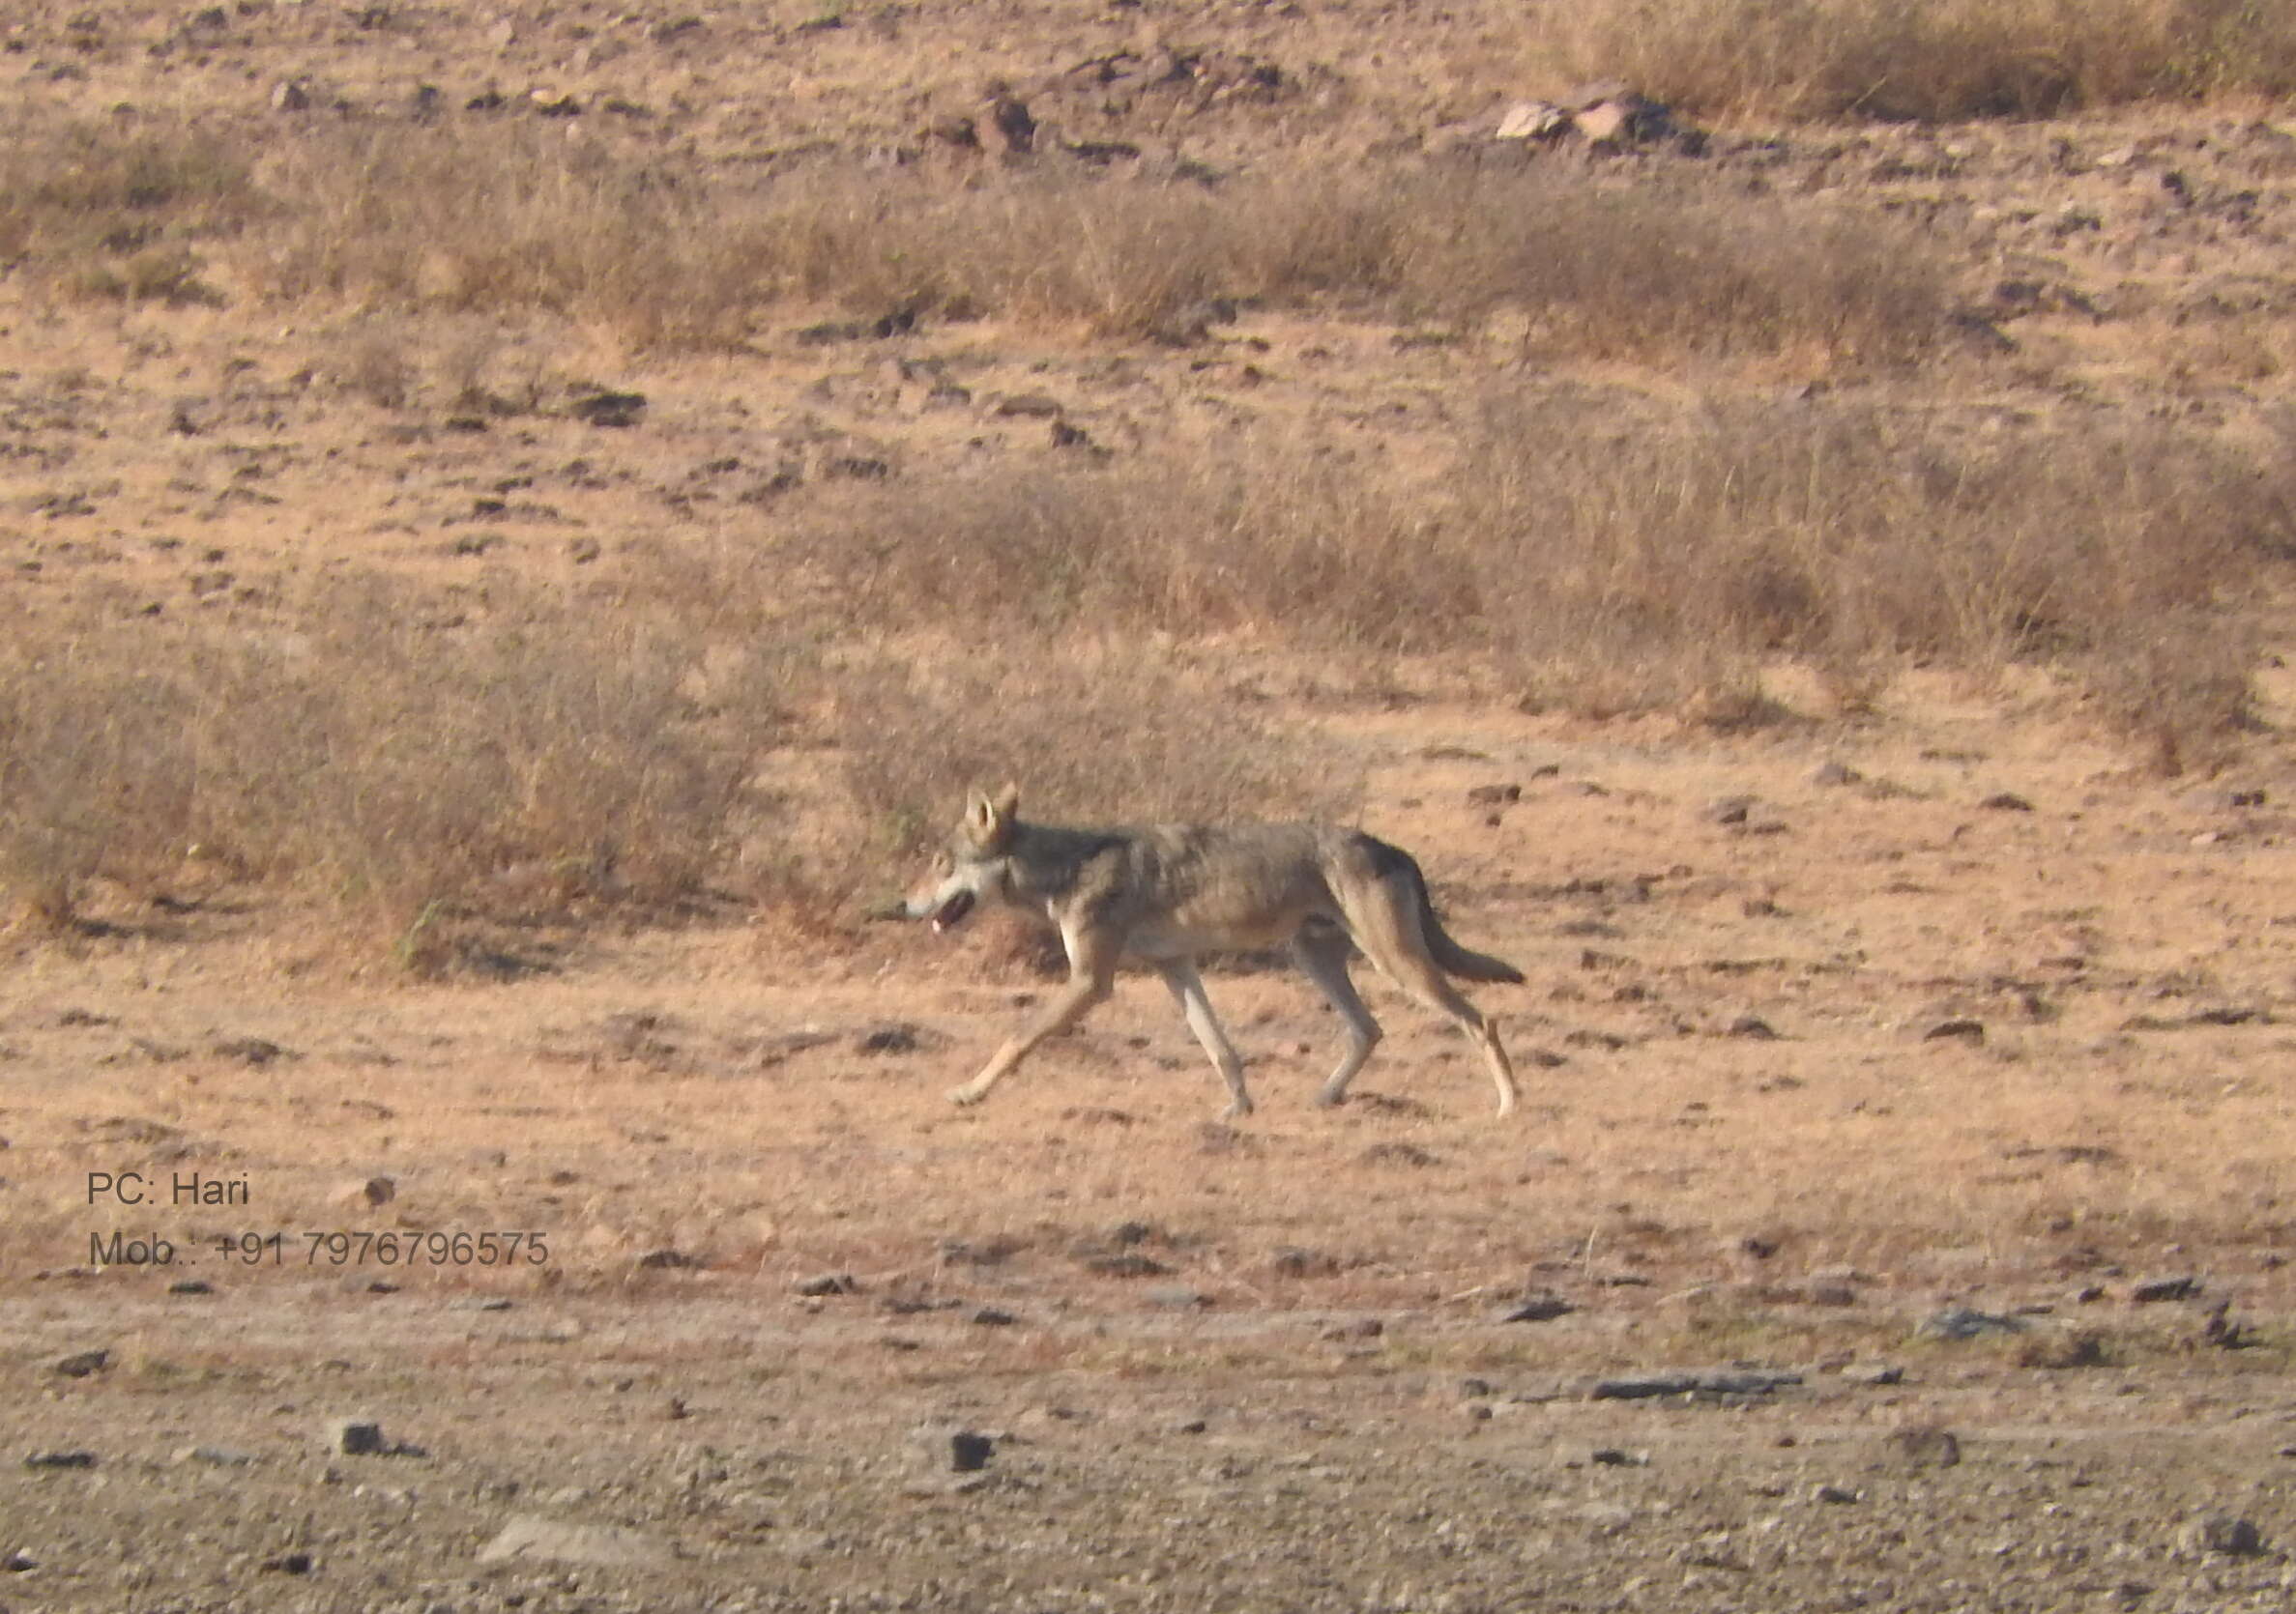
column 950, row 913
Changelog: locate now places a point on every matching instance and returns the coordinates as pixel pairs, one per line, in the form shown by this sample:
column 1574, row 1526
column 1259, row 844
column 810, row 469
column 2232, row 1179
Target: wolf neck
column 1047, row 860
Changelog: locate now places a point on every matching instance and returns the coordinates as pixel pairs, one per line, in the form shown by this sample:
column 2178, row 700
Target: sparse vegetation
column 519, row 524
column 1945, row 59
column 121, row 210
column 500, row 219
column 1625, row 565
column 917, row 736
column 413, row 775
column 432, row 782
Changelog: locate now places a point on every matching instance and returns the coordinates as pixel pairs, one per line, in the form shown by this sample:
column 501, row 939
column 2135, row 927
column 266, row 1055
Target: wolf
column 1168, row 893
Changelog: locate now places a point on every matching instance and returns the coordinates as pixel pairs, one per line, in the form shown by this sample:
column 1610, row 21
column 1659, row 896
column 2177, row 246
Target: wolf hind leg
column 1321, row 952
column 1187, row 988
column 1390, row 930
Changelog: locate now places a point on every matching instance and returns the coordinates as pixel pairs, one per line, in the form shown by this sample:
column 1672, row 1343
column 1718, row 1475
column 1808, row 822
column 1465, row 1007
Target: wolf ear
column 987, row 818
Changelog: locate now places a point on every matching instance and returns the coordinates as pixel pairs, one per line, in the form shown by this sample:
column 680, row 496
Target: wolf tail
column 1465, row 962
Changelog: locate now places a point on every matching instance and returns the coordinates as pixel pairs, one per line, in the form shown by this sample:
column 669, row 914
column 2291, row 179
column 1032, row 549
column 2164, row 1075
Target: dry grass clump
column 97, row 771
column 121, row 210
column 1846, row 534
column 1308, row 547
column 2181, row 686
column 1091, row 732
column 1933, row 59
column 541, row 764
column 499, row 219
column 1608, row 566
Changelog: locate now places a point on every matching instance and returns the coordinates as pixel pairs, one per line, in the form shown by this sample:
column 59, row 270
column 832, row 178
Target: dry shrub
column 2181, row 687
column 1291, row 540
column 115, row 210
column 500, row 216
column 493, row 218
column 540, row 763
column 552, row 757
column 1090, row 732
column 1936, row 59
column 1641, row 270
column 96, row 770
column 1847, row 534
column 1612, row 564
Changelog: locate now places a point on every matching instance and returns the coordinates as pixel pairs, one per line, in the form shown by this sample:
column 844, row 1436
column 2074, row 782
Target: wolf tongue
column 952, row 910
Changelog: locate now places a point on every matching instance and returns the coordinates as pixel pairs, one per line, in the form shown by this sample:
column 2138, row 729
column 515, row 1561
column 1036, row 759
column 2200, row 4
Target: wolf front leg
column 1091, row 976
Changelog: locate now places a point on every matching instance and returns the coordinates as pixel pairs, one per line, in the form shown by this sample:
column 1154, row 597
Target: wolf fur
column 1168, row 893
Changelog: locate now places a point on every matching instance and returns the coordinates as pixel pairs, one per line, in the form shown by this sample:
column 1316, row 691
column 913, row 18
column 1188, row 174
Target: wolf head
column 973, row 865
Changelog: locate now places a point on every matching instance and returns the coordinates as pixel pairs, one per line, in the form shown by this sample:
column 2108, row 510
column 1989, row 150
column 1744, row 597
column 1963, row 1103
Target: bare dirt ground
column 1899, row 1214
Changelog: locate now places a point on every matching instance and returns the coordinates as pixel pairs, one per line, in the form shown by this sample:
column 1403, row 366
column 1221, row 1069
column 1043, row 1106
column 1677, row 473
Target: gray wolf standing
column 1169, row 892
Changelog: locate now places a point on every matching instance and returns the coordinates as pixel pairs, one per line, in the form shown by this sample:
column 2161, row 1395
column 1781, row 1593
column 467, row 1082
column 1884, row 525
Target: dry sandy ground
column 1831, row 1031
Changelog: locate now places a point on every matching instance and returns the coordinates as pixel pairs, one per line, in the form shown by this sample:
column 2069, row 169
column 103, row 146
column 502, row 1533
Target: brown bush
column 542, row 762
column 499, row 219
column 97, row 769
column 1091, row 734
column 1611, row 564
column 107, row 212
column 1942, row 59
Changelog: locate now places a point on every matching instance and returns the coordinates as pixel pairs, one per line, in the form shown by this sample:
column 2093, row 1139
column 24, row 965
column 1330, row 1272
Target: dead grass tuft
column 1843, row 536
column 1093, row 734
column 121, row 212
column 501, row 219
column 442, row 785
column 96, row 771
column 542, row 764
column 1941, row 60
column 1610, row 566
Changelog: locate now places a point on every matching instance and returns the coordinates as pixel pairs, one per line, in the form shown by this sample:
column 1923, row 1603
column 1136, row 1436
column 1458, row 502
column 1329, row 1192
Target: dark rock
column 1697, row 1382
column 900, row 1037
column 1031, row 406
column 60, row 1459
column 613, row 410
column 1539, row 1308
column 355, row 1437
column 1963, row 1322
column 2221, row 1533
column 1125, row 1264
